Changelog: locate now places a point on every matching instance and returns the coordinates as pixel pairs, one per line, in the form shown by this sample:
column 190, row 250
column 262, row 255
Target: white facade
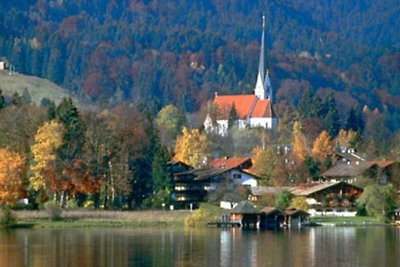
column 268, row 123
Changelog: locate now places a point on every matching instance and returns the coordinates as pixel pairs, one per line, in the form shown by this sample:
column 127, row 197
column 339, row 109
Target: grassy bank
column 86, row 218
column 342, row 221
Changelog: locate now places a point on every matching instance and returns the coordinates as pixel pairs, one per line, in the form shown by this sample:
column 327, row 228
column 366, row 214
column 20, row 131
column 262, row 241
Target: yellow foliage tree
column 192, row 148
column 264, row 161
column 299, row 203
column 344, row 138
column 12, row 168
column 48, row 139
column 322, row 147
column 299, row 143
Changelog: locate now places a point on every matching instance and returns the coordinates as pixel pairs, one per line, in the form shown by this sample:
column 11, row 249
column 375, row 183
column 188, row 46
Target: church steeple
column 259, row 89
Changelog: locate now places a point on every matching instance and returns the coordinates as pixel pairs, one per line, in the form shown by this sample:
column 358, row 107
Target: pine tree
column 331, row 118
column 74, row 137
column 2, row 100
column 232, row 117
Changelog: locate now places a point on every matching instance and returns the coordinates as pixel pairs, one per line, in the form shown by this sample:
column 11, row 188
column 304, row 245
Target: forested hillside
column 181, row 52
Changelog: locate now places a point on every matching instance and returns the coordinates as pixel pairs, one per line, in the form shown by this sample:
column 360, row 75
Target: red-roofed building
column 253, row 110
column 231, row 163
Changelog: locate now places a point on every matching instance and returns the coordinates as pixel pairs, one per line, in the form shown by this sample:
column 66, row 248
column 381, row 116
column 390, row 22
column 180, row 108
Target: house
column 271, row 218
column 246, row 214
column 296, row 218
column 195, row 185
column 251, row 110
column 329, row 198
column 381, row 171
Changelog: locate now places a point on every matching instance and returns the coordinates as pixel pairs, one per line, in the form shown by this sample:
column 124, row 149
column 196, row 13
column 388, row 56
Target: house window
column 237, row 176
column 207, row 187
column 180, row 187
column 181, row 198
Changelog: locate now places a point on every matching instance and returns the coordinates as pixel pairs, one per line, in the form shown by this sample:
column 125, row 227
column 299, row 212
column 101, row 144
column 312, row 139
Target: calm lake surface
column 317, row 246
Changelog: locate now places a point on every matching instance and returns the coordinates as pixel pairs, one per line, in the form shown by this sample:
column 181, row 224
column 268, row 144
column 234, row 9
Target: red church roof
column 243, row 105
column 262, row 109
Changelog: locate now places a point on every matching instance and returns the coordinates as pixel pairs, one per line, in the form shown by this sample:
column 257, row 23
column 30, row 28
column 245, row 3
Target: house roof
column 206, row 173
column 311, row 188
column 243, row 105
column 245, row 207
column 264, row 190
column 383, row 164
column 269, row 210
column 349, row 169
column 292, row 211
column 230, row 163
column 262, row 109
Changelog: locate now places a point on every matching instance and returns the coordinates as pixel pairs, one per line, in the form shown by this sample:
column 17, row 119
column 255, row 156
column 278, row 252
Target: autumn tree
column 192, row 148
column 346, row 138
column 170, row 121
column 299, row 145
column 299, row 203
column 322, row 147
column 12, row 168
column 48, row 139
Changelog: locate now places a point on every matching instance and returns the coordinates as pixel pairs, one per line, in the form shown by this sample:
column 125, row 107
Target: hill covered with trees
column 160, row 52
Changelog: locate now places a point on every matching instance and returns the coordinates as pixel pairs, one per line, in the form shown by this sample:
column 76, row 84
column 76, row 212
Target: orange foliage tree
column 12, row 168
column 299, row 142
column 322, row 147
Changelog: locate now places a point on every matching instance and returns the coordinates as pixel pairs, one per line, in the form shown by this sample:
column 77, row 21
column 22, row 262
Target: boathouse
column 246, row 214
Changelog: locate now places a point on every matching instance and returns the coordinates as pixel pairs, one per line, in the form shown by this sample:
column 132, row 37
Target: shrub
column 54, row 210
column 89, row 204
column 7, row 218
column 72, row 204
column 199, row 217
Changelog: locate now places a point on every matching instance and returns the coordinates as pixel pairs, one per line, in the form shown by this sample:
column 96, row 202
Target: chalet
column 194, row 185
column 381, row 171
column 252, row 110
column 329, row 198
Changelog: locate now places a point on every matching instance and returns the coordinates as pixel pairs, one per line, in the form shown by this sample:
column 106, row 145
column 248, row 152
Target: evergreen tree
column 331, row 116
column 310, row 106
column 74, row 136
column 312, row 167
column 16, row 100
column 232, row 117
column 51, row 108
column 26, row 97
column 2, row 100
column 353, row 120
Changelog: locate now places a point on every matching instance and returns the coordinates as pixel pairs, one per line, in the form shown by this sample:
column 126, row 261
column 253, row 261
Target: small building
column 2, row 65
column 396, row 216
column 329, row 198
column 380, row 171
column 296, row 218
column 271, row 218
column 245, row 214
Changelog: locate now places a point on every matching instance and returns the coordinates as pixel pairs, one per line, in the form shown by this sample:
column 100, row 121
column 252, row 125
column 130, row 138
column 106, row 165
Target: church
column 253, row 110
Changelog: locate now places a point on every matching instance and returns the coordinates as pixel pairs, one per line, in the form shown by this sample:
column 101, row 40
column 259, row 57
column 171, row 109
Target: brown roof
column 292, row 211
column 243, row 105
column 245, row 207
column 269, row 210
column 230, row 163
column 382, row 164
column 310, row 188
column 348, row 170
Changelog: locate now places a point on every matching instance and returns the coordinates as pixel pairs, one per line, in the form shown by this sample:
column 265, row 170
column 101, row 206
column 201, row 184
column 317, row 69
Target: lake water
column 317, row 246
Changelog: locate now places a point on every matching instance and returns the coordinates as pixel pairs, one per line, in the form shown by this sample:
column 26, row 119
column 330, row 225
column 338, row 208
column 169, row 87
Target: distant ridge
column 37, row 87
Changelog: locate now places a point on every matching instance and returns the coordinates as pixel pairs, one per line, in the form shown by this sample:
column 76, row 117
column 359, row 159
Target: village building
column 381, row 172
column 253, row 110
column 193, row 186
column 329, row 198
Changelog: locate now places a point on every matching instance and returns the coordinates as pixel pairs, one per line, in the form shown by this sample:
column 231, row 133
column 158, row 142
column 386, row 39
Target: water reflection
column 322, row 246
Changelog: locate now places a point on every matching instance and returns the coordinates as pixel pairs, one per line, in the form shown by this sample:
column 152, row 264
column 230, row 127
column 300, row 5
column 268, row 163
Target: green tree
column 2, row 100
column 16, row 100
column 378, row 200
column 331, row 115
column 26, row 97
column 170, row 121
column 283, row 199
column 232, row 117
column 74, row 135
column 311, row 167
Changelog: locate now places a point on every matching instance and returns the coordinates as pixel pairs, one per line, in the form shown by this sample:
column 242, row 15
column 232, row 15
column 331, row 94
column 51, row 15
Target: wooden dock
column 224, row 224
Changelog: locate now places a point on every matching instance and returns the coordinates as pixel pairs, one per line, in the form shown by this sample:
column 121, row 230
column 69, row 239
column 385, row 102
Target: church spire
column 259, row 90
